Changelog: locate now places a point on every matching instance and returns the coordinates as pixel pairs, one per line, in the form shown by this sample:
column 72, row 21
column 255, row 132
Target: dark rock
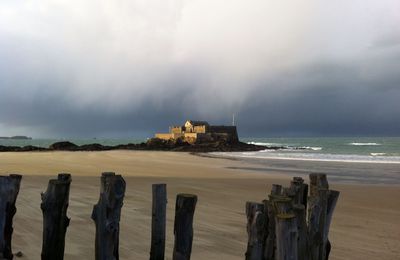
column 31, row 148
column 158, row 144
column 93, row 147
column 63, row 146
column 9, row 148
column 220, row 145
column 180, row 142
column 126, row 146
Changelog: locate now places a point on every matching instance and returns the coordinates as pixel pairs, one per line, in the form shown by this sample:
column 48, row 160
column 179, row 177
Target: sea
column 373, row 160
column 339, row 149
column 353, row 160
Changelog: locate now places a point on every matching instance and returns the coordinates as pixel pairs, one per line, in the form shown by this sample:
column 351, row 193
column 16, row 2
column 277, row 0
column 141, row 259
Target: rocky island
column 193, row 136
column 17, row 137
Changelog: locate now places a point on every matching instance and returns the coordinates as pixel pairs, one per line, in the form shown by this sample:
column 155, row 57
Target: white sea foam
column 377, row 154
column 315, row 157
column 265, row 144
column 287, row 147
column 309, row 148
column 364, row 144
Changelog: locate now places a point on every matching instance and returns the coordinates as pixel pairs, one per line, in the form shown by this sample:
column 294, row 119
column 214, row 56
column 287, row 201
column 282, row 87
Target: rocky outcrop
column 28, row 148
column 153, row 144
column 63, row 146
column 94, row 147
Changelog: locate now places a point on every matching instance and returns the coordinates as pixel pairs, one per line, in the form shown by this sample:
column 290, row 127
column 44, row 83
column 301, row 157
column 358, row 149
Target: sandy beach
column 365, row 225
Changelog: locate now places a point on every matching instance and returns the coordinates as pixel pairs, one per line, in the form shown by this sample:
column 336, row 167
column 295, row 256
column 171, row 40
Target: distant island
column 17, row 137
column 192, row 136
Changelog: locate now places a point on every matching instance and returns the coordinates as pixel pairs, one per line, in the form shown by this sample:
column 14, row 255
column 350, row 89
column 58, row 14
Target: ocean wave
column 265, row 144
column 297, row 148
column 345, row 158
column 377, row 154
column 287, row 147
column 309, row 148
column 364, row 144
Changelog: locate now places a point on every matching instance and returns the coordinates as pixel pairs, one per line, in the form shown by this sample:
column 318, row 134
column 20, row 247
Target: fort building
column 200, row 132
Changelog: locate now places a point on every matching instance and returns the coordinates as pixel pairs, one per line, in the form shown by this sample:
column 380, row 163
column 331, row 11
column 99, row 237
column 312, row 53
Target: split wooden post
column 158, row 223
column 286, row 237
column 55, row 221
column 300, row 191
column 270, row 242
column 333, row 197
column 276, row 189
column 183, row 226
column 256, row 231
column 269, row 248
column 285, row 229
column 302, row 242
column 9, row 188
column 317, row 213
column 106, row 214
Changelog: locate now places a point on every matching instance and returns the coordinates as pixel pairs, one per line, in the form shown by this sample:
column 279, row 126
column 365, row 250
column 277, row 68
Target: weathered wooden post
column 302, row 242
column 333, row 196
column 270, row 243
column 317, row 213
column 276, row 189
column 9, row 188
column 269, row 248
column 183, row 227
column 285, row 229
column 158, row 222
column 55, row 221
column 106, row 214
column 289, row 234
column 300, row 190
column 256, row 230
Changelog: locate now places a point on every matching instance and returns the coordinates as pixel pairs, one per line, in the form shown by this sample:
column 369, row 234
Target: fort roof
column 197, row 123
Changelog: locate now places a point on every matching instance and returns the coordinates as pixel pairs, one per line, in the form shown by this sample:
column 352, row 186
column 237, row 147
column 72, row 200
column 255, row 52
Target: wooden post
column 318, row 181
column 270, row 241
column 269, row 250
column 302, row 243
column 299, row 190
column 286, row 237
column 333, row 196
column 106, row 214
column 318, row 203
column 276, row 189
column 158, row 222
column 256, row 231
column 9, row 188
column 282, row 204
column 55, row 221
column 183, row 227
column 285, row 230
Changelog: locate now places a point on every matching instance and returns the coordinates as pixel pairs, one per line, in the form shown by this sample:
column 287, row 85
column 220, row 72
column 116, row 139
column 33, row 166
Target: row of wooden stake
column 106, row 215
column 280, row 228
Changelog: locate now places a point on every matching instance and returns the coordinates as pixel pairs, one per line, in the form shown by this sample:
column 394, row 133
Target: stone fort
column 196, row 132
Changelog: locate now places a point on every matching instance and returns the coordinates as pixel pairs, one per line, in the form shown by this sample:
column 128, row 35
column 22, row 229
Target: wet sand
column 365, row 225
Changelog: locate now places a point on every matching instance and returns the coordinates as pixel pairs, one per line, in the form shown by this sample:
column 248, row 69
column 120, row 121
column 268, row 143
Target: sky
column 127, row 68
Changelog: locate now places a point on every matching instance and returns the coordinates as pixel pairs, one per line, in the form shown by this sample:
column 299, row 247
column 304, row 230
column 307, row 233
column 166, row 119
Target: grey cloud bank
column 126, row 68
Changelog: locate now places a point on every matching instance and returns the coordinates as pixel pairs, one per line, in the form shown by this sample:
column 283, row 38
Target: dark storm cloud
column 76, row 69
column 329, row 99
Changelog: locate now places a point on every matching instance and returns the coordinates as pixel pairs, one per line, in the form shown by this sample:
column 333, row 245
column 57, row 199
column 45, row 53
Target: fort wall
column 228, row 132
column 201, row 133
